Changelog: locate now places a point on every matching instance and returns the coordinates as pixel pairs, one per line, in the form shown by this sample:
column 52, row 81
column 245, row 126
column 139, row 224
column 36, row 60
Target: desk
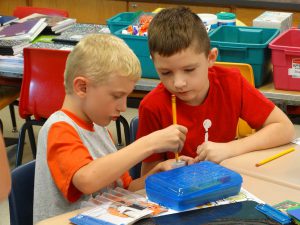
column 273, row 182
column 9, row 93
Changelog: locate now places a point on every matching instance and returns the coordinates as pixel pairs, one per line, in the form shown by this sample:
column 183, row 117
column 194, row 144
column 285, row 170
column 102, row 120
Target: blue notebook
column 5, row 20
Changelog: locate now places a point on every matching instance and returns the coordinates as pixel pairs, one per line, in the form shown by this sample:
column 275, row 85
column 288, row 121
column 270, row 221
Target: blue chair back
column 135, row 171
column 21, row 195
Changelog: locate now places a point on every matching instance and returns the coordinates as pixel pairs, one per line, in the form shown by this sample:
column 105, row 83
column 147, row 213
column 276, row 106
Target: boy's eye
column 189, row 70
column 165, row 73
column 117, row 96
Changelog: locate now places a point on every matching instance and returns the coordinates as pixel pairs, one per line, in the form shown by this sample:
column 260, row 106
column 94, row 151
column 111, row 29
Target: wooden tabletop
column 8, row 94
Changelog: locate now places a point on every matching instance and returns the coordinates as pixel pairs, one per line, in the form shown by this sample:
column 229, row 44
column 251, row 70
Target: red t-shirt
column 229, row 98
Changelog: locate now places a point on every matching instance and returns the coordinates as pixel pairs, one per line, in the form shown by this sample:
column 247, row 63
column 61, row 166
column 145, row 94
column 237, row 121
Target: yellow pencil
column 275, row 156
column 174, row 115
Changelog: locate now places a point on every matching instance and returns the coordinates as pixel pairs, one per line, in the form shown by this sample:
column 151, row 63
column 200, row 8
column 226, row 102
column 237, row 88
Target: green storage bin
column 245, row 45
column 139, row 45
column 121, row 20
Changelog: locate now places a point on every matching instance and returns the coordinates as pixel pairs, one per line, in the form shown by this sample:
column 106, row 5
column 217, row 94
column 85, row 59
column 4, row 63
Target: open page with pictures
column 117, row 206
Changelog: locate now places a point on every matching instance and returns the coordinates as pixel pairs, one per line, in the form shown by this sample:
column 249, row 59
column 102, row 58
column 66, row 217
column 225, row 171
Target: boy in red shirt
column 210, row 99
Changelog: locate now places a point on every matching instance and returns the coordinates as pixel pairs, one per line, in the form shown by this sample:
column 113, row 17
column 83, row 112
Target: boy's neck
column 73, row 105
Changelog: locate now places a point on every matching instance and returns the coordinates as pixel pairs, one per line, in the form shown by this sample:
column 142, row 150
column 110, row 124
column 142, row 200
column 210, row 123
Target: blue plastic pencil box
column 193, row 185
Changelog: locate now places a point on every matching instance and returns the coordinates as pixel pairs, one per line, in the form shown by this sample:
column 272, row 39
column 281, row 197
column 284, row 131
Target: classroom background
column 102, row 12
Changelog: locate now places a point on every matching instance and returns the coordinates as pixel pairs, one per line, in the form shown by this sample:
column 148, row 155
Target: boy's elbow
column 85, row 184
column 290, row 131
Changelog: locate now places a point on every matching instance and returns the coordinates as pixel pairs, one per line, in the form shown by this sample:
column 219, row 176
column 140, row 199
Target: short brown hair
column 175, row 29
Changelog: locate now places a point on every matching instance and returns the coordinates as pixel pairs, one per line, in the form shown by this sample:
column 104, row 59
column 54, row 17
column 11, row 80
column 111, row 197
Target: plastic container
column 286, row 60
column 209, row 20
column 245, row 45
column 139, row 45
column 226, row 18
column 280, row 20
column 193, row 185
column 121, row 20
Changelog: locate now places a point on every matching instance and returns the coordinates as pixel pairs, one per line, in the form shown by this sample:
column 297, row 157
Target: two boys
column 76, row 156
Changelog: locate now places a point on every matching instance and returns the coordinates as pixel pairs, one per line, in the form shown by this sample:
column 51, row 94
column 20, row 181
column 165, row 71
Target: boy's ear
column 80, row 85
column 212, row 56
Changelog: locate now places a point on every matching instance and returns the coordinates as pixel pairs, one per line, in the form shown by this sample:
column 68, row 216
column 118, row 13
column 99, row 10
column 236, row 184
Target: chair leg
column 125, row 125
column 20, row 148
column 119, row 135
column 126, row 129
column 1, row 126
column 13, row 117
column 31, row 136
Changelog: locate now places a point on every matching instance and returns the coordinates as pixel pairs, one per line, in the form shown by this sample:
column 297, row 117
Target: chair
column 43, row 92
column 20, row 12
column 23, row 11
column 135, row 171
column 21, row 196
column 243, row 129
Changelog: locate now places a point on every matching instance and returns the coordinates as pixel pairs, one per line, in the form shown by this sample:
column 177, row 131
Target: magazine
column 117, row 206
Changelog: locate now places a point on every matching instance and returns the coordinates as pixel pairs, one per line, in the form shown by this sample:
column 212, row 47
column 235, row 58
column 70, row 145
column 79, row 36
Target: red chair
column 42, row 91
column 23, row 11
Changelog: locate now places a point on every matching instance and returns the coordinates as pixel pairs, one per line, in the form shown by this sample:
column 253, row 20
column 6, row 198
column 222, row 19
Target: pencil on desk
column 174, row 116
column 275, row 156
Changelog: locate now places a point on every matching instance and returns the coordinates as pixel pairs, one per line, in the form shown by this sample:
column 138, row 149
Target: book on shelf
column 27, row 30
column 12, row 47
column 5, row 20
column 55, row 24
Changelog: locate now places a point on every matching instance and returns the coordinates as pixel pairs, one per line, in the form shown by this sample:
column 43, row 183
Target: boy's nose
column 123, row 105
column 179, row 81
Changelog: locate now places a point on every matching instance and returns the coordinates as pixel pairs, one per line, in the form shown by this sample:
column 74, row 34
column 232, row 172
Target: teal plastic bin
column 245, row 45
column 121, row 20
column 139, row 45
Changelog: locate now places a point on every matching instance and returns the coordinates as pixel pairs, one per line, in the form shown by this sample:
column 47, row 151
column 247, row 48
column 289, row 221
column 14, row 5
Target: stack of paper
column 74, row 34
column 12, row 47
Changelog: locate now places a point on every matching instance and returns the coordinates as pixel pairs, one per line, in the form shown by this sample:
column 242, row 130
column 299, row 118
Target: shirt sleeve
column 66, row 154
column 255, row 106
column 148, row 122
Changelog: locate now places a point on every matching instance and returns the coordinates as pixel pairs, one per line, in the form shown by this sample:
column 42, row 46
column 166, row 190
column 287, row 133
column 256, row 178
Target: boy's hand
column 168, row 164
column 171, row 138
column 215, row 152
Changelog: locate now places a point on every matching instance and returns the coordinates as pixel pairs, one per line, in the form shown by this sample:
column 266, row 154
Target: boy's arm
column 105, row 170
column 276, row 130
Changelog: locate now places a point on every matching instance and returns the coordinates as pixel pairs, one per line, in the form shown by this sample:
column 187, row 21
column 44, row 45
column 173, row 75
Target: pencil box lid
column 193, row 185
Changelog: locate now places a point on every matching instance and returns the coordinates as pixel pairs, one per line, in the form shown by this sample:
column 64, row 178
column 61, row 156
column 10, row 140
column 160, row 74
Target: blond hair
column 97, row 56
column 175, row 29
